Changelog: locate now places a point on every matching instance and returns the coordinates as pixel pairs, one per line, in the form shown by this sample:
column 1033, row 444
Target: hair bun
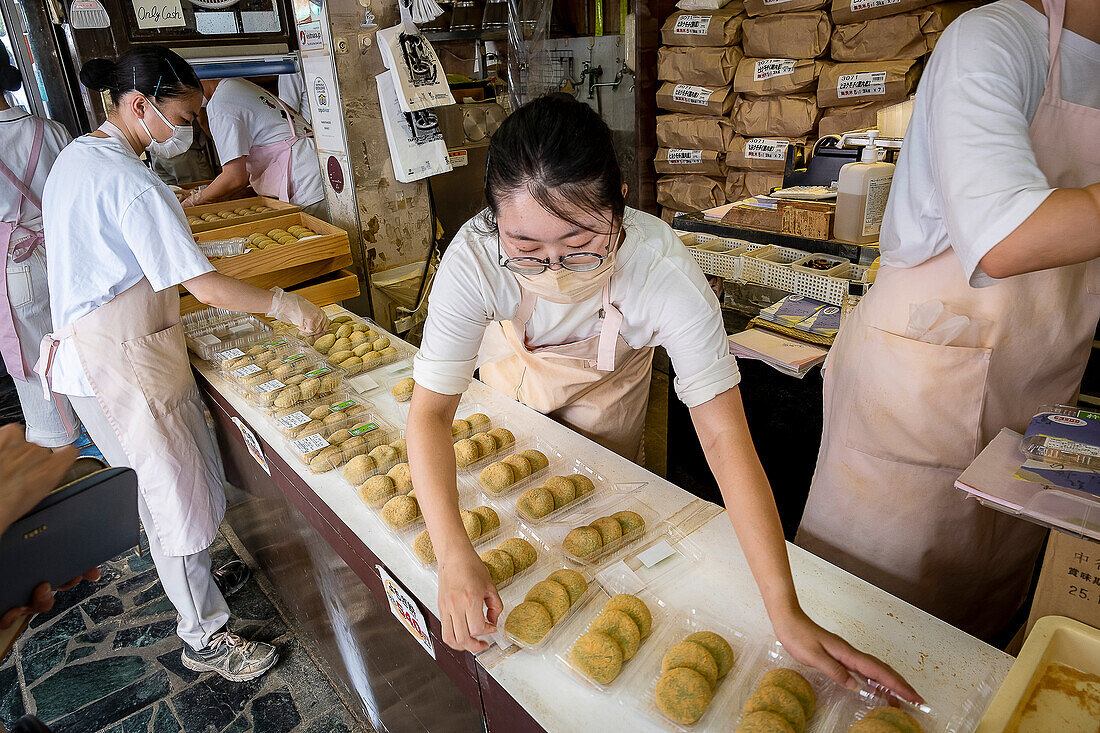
column 98, row 74
column 10, row 78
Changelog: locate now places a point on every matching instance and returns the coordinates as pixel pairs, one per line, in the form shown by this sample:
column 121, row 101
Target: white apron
column 269, row 165
column 598, row 386
column 903, row 418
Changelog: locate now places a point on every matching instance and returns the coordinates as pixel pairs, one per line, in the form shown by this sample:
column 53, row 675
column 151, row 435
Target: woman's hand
column 291, row 308
column 825, row 651
column 465, row 590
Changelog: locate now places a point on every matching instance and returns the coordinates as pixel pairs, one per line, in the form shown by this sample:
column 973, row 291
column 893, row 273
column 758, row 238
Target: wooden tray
column 279, row 207
column 322, row 291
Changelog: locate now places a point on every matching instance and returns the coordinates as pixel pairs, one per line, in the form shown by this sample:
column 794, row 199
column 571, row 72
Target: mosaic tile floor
column 106, row 658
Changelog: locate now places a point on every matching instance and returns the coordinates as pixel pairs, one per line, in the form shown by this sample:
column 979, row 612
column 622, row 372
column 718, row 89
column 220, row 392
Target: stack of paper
column 785, row 354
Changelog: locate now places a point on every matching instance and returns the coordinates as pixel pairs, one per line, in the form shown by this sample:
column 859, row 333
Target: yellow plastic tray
column 1053, row 640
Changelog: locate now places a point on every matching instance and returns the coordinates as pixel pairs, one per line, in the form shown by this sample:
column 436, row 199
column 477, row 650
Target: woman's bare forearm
column 221, row 291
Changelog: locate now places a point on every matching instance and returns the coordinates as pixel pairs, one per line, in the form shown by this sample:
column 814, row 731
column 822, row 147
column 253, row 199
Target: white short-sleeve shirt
column 243, row 115
column 292, row 90
column 16, row 137
column 663, row 295
column 104, row 233
column 967, row 176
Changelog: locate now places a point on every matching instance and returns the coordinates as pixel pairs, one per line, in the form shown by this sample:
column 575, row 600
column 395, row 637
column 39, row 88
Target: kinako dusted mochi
column 683, row 695
column 489, row 518
column 553, row 595
column 631, row 523
column 573, row 581
column 583, row 542
column 722, row 652
column 502, row 436
column 402, row 478
column 609, row 528
column 523, row 554
column 777, row 700
column 486, row 446
column 466, row 452
column 562, row 489
column 521, row 467
column 598, row 655
column 764, row 722
column 479, row 423
column 529, row 622
column 621, row 628
column 693, row 656
column 899, row 719
column 633, row 607
column 582, row 484
column 377, row 490
column 536, row 458
column 471, row 523
column 536, row 503
column 788, row 679
column 500, row 565
column 460, row 429
column 400, row 511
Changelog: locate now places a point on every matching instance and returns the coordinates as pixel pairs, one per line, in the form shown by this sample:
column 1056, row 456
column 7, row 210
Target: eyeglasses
column 575, row 262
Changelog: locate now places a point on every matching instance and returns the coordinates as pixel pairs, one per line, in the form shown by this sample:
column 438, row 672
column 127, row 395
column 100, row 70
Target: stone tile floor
column 107, row 658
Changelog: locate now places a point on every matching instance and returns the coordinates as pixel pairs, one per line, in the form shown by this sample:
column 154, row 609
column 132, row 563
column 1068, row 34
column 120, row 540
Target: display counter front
column 327, row 554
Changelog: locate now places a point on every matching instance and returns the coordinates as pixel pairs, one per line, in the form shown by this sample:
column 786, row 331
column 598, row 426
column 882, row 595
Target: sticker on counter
column 861, row 5
column 769, row 68
column 293, row 358
column 252, row 443
column 271, row 386
column 246, row 370
column 310, row 443
column 760, row 148
column 209, row 340
column 658, row 552
column 407, row 611
column 680, row 156
column 688, row 94
column 692, row 25
column 228, row 354
column 863, row 84
column 292, row 420
column 364, row 429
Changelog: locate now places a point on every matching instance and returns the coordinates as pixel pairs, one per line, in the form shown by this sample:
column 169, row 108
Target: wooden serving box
column 279, row 208
column 810, row 219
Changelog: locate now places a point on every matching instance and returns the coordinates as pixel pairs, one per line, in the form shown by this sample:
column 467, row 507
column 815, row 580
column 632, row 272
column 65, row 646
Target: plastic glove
column 192, row 199
column 291, row 308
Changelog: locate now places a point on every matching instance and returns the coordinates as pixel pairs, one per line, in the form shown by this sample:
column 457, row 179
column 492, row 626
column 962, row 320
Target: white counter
column 946, row 665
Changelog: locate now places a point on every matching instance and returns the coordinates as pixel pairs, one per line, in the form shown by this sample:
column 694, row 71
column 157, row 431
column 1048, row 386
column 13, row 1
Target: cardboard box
column 766, row 7
column 837, row 120
column 783, row 116
column 678, row 161
column 1069, row 582
column 788, row 35
column 703, row 28
column 852, row 11
column 893, row 37
column 694, row 99
column 707, row 67
column 775, row 76
column 690, row 193
column 760, row 153
column 694, row 132
column 843, row 85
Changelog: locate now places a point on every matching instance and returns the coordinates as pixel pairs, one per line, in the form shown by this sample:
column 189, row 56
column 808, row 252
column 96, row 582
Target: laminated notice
column 863, row 84
column 678, row 156
column 226, row 355
column 769, row 68
column 293, row 420
column 688, row 94
column 246, row 371
column 760, row 148
column 311, row 443
column 271, row 386
column 692, row 25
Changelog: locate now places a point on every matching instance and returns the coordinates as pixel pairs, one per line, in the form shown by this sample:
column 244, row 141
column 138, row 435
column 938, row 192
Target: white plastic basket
column 716, row 255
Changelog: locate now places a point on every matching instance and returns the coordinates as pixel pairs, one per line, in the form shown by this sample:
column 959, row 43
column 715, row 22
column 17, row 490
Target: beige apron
column 134, row 355
column 598, row 386
column 903, row 418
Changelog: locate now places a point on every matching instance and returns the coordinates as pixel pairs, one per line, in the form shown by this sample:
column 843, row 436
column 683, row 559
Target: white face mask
column 177, row 143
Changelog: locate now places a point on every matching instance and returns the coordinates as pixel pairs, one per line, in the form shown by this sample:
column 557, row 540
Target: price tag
column 246, row 371
column 295, row 357
column 688, row 94
column 692, row 25
column 274, row 344
column 228, row 354
column 759, row 148
column 363, row 429
column 271, row 386
column 292, row 420
column 655, row 554
column 252, row 443
column 406, row 611
column 863, row 84
column 311, row 443
column 318, row 372
column 679, row 156
column 769, row 68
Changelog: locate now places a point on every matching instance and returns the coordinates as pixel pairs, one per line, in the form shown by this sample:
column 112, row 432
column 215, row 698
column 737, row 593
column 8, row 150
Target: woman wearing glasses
column 559, row 293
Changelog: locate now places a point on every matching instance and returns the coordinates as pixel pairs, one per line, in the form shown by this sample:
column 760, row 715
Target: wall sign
column 158, row 13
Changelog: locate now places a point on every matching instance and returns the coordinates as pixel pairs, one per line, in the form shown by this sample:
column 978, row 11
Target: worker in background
column 995, row 213
column 28, row 147
column 262, row 142
column 560, row 293
column 118, row 348
column 292, row 90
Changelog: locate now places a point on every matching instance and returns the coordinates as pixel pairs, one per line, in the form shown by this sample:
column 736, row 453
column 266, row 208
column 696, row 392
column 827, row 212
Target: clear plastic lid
column 250, row 356
column 296, row 378
column 1062, row 434
column 324, row 415
column 587, row 486
column 359, row 435
column 515, row 594
column 872, row 701
column 357, row 345
column 218, row 341
column 223, row 247
column 828, row 695
column 558, row 534
column 495, row 486
column 208, row 317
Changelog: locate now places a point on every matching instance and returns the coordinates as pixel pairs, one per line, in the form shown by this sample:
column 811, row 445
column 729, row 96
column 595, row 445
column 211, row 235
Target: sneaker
column 232, row 657
column 231, row 577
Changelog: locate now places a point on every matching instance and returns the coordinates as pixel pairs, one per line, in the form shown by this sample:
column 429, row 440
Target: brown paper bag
column 735, row 186
column 678, row 161
column 893, row 37
column 705, row 67
column 690, row 193
column 703, row 28
column 735, row 5
column 788, row 35
column 667, row 215
column 761, row 184
column 838, row 120
column 843, row 85
column 760, row 153
column 852, row 11
column 783, row 116
column 775, row 76
column 694, row 99
column 694, row 132
column 936, row 18
column 767, row 7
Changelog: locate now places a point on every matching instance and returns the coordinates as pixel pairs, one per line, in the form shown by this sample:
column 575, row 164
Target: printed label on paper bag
column 246, row 371
column 770, row 68
column 688, row 94
column 861, row 5
column 407, row 612
column 679, row 156
column 310, row 444
column 863, row 84
column 292, row 420
column 692, row 25
column 775, row 2
column 877, row 192
column 759, row 148
column 271, row 386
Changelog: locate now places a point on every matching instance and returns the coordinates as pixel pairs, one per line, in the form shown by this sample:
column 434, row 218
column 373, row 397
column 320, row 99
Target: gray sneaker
column 232, row 657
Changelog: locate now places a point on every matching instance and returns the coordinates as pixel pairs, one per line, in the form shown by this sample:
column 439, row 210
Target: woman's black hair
column 10, row 78
column 561, row 152
column 154, row 71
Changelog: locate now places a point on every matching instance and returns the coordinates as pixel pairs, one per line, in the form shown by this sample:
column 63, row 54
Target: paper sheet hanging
column 416, row 143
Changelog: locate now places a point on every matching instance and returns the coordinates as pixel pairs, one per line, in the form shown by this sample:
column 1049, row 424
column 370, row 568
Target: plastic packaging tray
column 849, row 707
column 553, row 456
column 579, row 624
column 835, row 265
column 601, row 490
column 223, row 247
column 238, row 363
column 485, row 542
column 211, row 340
column 514, row 594
column 393, row 350
column 373, row 429
column 545, row 563
column 669, row 551
column 830, row 695
column 208, row 317
column 295, row 422
column 467, row 499
column 495, row 421
column 640, row 689
column 554, row 533
column 1062, row 434
column 265, row 395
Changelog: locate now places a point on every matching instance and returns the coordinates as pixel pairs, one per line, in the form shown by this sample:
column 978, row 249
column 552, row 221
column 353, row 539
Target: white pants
column 187, row 580
column 30, row 305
